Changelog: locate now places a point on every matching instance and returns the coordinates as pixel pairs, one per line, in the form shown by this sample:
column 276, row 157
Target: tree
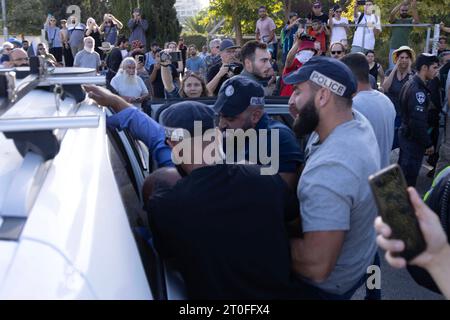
column 163, row 21
column 241, row 15
column 199, row 24
column 25, row 16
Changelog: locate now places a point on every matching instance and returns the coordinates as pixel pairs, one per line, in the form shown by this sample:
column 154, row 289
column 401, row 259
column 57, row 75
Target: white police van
column 69, row 194
column 72, row 224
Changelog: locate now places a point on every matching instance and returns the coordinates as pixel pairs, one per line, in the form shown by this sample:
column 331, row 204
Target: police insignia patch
column 229, row 91
column 420, row 96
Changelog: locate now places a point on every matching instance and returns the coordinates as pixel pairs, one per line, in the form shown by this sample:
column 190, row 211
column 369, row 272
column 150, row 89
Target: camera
column 171, row 56
column 235, row 68
column 305, row 37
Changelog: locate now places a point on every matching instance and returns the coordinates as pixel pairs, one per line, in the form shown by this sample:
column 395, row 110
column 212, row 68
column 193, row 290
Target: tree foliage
column 28, row 16
column 241, row 15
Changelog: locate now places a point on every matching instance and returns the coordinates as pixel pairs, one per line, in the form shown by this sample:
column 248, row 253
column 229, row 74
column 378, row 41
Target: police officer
column 414, row 101
column 240, row 105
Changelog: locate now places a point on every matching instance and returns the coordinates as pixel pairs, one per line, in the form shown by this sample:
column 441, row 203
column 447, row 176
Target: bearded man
column 336, row 205
column 88, row 58
column 128, row 84
column 257, row 63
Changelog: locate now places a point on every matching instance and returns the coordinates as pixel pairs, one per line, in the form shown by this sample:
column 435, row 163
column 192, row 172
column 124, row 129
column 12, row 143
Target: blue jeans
column 398, row 123
column 410, row 158
column 315, row 293
column 391, row 61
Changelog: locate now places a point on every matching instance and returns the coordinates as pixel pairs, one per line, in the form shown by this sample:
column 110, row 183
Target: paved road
column 398, row 284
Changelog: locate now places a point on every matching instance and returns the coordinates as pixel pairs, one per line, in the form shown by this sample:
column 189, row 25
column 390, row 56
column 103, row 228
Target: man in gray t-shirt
column 374, row 105
column 337, row 208
column 87, row 58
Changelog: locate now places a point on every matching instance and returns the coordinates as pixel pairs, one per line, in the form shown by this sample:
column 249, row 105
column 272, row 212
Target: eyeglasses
column 336, row 52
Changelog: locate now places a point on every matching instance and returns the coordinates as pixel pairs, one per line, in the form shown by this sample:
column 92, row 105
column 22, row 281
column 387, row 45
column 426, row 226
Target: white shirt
column 338, row 33
column 369, row 38
column 126, row 89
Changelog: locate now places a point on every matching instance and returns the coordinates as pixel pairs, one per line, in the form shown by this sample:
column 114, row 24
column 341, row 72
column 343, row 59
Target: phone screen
column 176, row 56
column 389, row 188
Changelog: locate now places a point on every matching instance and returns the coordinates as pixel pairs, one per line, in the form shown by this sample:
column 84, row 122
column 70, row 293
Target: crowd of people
column 306, row 232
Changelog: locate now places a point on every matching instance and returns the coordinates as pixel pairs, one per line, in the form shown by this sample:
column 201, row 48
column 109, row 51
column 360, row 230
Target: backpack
column 438, row 199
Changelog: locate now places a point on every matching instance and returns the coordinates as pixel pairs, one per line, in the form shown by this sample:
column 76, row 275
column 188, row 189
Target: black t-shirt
column 158, row 85
column 223, row 228
column 323, row 18
column 212, row 71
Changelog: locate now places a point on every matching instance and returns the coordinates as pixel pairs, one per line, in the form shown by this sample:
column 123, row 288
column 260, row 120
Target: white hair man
column 214, row 57
column 88, row 58
column 128, row 84
column 6, row 50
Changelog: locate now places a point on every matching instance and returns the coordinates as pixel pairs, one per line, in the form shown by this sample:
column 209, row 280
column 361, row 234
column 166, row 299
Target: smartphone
column 141, row 59
column 392, row 199
column 175, row 56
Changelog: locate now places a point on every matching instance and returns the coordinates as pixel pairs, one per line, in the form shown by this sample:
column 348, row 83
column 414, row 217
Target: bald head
column 163, row 178
column 19, row 58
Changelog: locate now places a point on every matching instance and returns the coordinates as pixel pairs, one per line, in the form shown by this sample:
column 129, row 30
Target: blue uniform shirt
column 291, row 156
column 143, row 128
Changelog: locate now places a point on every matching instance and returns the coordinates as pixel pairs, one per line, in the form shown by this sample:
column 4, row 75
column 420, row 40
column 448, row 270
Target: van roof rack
column 35, row 138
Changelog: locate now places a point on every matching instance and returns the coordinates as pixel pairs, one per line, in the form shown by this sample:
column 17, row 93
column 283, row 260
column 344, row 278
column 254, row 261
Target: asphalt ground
column 397, row 284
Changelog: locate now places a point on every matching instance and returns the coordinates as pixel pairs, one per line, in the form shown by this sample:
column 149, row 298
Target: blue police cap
column 182, row 115
column 227, row 44
column 326, row 72
column 15, row 41
column 237, row 94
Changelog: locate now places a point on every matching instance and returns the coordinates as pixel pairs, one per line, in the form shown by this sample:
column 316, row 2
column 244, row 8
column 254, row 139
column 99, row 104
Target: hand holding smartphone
column 389, row 188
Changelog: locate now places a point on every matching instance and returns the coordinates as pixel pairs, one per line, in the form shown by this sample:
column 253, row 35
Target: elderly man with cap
column 336, row 205
column 140, row 125
column 213, row 225
column 240, row 105
column 228, row 67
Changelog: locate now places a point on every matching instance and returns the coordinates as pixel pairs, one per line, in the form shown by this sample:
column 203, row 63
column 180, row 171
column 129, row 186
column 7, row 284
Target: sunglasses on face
column 317, row 7
column 338, row 11
column 336, row 52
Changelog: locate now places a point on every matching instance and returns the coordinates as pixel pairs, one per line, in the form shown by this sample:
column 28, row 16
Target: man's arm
column 212, row 85
column 291, row 54
column 315, row 256
column 414, row 11
column 141, row 126
column 117, row 22
column 355, row 11
column 394, row 12
column 144, row 24
column 76, row 62
column 167, row 79
column 257, row 34
column 154, row 72
column 131, row 24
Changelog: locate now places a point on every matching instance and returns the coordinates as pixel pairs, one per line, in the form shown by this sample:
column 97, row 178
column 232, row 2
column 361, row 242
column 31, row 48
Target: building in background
column 189, row 8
